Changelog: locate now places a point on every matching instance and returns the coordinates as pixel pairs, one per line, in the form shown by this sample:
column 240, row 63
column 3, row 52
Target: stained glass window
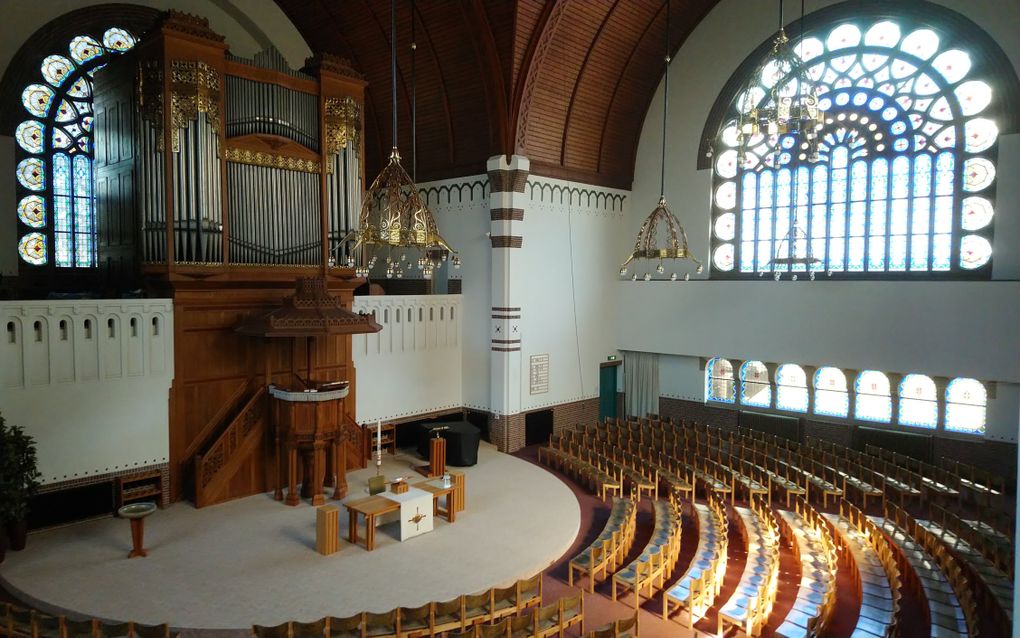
column 57, row 202
column 905, row 177
column 874, row 403
column 755, row 388
column 791, row 388
column 966, row 400
column 831, row 396
column 918, row 401
column 719, row 381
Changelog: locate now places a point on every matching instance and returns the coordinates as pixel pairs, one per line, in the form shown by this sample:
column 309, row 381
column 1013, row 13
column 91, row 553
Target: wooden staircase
column 232, row 464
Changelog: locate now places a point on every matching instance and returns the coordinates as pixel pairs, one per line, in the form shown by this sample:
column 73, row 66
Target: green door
column 607, row 392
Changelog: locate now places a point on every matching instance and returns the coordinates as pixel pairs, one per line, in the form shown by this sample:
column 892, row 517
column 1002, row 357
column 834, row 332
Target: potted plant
column 19, row 480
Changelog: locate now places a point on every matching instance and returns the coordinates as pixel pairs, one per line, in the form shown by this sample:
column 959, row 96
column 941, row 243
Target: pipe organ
column 231, row 161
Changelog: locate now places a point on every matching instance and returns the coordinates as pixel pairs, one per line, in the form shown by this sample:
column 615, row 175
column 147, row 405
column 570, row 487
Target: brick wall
column 694, row 411
column 984, row 454
column 567, row 415
column 508, row 432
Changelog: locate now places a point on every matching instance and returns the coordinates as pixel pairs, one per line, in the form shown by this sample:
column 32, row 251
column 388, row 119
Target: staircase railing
column 215, row 466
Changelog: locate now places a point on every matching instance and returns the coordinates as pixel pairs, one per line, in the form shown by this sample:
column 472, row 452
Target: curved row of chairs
column 816, row 554
column 593, row 470
column 546, row 621
column 876, row 576
column 606, row 553
column 648, row 573
column 975, row 549
column 749, row 606
column 935, row 574
column 695, row 591
column 18, row 622
column 431, row 619
column 705, row 456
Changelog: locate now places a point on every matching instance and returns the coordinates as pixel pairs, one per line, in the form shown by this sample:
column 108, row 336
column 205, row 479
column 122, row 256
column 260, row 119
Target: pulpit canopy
column 310, row 312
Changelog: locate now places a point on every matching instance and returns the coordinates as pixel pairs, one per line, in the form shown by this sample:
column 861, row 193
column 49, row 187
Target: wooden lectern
column 437, row 456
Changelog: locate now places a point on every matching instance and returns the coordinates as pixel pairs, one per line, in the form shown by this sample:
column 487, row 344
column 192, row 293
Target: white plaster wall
column 91, row 389
column 569, row 251
column 248, row 25
column 461, row 208
column 939, row 328
column 413, row 365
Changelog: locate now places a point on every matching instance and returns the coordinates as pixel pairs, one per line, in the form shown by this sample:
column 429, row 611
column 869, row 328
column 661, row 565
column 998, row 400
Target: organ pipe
column 241, row 161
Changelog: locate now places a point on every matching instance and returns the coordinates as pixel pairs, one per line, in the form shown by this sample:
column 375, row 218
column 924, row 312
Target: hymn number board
column 539, row 373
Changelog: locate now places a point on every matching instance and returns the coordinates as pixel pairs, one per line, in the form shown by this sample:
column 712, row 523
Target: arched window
column 905, row 178
column 966, row 400
column 754, row 384
column 719, row 380
column 791, row 388
column 918, row 401
column 56, row 207
column 874, row 403
column 831, row 396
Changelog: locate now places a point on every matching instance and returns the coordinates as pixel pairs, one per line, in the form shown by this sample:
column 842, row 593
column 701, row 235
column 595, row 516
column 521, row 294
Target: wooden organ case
column 220, row 182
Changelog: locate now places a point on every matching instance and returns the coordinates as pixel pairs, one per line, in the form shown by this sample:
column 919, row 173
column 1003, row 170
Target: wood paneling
column 565, row 82
column 211, row 361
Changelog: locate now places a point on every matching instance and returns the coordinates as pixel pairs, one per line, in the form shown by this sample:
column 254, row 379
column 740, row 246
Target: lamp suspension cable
column 665, row 111
column 414, row 100
column 393, row 67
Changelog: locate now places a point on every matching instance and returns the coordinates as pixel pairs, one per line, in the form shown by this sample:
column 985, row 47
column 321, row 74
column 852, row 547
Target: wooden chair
column 500, row 629
column 114, row 630
column 446, row 616
column 523, row 625
column 547, row 619
column 163, row 631
column 79, row 628
column 19, row 623
column 476, row 608
column 529, row 592
column 571, row 613
column 380, row 625
column 346, row 627
column 46, row 626
column 413, row 622
column 278, row 631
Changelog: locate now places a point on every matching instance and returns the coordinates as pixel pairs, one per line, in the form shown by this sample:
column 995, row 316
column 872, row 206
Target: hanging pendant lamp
column 661, row 236
column 394, row 219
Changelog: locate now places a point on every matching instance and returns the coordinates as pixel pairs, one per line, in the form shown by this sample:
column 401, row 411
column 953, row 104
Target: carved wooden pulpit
column 309, row 417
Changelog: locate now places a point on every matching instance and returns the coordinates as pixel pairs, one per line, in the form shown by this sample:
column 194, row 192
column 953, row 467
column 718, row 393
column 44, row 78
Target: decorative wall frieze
column 195, row 88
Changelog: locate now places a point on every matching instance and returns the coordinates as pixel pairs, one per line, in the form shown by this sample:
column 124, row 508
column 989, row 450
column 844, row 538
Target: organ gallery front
column 220, row 181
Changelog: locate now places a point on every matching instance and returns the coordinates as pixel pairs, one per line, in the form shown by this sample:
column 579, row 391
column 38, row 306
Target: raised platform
column 254, row 560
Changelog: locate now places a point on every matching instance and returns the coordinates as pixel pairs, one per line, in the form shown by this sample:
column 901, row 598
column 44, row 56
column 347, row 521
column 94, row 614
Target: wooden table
column 369, row 507
column 435, row 487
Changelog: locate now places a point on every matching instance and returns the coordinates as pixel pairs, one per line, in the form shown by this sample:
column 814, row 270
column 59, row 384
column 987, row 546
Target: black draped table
column 461, row 441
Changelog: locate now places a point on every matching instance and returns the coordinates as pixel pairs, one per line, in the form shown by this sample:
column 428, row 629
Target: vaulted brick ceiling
column 566, row 83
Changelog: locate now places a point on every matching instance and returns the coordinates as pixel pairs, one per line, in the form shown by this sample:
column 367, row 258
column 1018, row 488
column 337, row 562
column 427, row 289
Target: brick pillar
column 506, row 206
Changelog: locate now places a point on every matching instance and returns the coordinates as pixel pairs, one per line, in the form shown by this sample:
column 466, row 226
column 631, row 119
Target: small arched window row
column 914, row 402
column 904, row 182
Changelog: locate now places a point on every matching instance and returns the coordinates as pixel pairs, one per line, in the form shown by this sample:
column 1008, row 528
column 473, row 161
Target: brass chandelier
column 789, row 107
column 672, row 242
column 394, row 219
